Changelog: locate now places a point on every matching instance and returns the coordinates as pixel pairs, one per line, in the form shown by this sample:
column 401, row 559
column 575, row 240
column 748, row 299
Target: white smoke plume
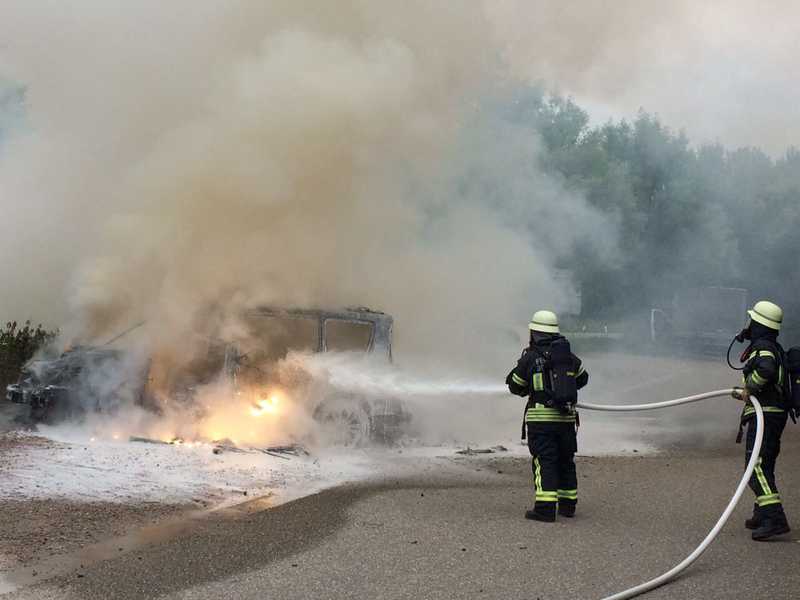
column 196, row 156
column 186, row 162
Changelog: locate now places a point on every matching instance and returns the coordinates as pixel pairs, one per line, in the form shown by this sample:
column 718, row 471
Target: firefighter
column 551, row 422
column 765, row 378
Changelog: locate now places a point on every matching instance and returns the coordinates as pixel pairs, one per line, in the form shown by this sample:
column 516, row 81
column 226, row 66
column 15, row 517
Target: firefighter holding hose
column 765, row 376
column 550, row 375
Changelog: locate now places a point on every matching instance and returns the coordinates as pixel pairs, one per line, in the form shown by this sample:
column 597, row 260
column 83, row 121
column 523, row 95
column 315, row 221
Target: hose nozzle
column 740, row 394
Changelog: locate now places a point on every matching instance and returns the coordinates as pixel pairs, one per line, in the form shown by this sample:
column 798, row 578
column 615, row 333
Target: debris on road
column 144, row 440
column 470, row 451
column 226, row 445
column 275, row 454
column 295, row 449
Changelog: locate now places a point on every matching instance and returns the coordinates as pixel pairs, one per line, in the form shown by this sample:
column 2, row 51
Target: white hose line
column 686, row 562
column 655, row 405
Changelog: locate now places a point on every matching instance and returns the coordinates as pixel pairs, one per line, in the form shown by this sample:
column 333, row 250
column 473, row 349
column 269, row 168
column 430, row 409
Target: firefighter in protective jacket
column 765, row 377
column 550, row 415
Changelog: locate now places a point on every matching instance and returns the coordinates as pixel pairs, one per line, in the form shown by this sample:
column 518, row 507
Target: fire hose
column 686, row 562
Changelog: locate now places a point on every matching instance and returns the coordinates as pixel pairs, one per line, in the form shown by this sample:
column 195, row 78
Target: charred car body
column 86, row 379
column 82, row 379
column 355, row 417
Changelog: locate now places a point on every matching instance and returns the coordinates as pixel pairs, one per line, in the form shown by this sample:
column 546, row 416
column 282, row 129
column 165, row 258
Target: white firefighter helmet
column 767, row 313
column 544, row 321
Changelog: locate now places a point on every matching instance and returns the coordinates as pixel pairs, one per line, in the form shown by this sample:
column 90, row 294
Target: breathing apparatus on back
column 555, row 357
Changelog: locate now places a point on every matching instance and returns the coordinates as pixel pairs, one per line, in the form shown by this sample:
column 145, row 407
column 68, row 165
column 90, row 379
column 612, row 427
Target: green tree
column 18, row 345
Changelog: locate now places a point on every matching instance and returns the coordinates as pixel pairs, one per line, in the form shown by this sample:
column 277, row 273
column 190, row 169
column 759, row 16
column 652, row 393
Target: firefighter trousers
column 762, row 482
column 553, row 447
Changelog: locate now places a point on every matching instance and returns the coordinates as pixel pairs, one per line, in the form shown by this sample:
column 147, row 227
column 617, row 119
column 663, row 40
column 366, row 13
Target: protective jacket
column 763, row 372
column 529, row 378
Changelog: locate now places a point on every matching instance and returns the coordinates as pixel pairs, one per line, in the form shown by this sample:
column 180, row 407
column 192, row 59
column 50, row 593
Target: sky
column 721, row 70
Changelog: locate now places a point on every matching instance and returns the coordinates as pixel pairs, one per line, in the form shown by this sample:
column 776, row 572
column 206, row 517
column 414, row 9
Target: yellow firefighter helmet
column 544, row 321
column 767, row 313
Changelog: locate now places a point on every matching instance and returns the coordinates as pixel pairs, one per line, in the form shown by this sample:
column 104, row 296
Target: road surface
column 455, row 529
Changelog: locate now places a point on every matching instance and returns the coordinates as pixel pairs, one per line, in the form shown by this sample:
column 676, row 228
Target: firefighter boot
column 754, row 522
column 542, row 511
column 566, row 508
column 772, row 524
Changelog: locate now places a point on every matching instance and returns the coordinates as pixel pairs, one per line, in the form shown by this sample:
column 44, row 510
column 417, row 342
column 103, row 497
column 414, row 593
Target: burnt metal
column 77, row 381
column 382, row 324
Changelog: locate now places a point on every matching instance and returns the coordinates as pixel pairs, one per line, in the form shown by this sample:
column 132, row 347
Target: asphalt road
column 455, row 530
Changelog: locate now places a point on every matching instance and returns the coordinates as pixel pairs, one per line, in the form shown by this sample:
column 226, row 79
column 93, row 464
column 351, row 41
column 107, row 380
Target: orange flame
column 263, row 406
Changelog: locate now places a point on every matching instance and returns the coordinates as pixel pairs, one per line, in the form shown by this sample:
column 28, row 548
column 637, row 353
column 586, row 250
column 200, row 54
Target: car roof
column 353, row 314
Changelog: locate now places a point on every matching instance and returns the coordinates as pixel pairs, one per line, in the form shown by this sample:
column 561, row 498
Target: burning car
column 97, row 378
column 273, row 333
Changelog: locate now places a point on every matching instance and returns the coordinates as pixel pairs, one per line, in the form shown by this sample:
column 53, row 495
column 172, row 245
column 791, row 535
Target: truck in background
column 700, row 319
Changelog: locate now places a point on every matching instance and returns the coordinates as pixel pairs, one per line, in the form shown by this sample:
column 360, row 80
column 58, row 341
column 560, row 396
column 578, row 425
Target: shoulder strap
column 783, row 384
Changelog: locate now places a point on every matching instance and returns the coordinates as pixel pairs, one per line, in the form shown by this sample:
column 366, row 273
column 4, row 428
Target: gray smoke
column 272, row 154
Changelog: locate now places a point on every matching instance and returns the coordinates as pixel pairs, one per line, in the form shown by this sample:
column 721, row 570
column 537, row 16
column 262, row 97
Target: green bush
column 18, row 345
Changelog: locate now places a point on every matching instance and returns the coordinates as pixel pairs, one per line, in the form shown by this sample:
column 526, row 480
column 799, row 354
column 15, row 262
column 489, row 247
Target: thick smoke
column 185, row 163
column 177, row 154
column 193, row 157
